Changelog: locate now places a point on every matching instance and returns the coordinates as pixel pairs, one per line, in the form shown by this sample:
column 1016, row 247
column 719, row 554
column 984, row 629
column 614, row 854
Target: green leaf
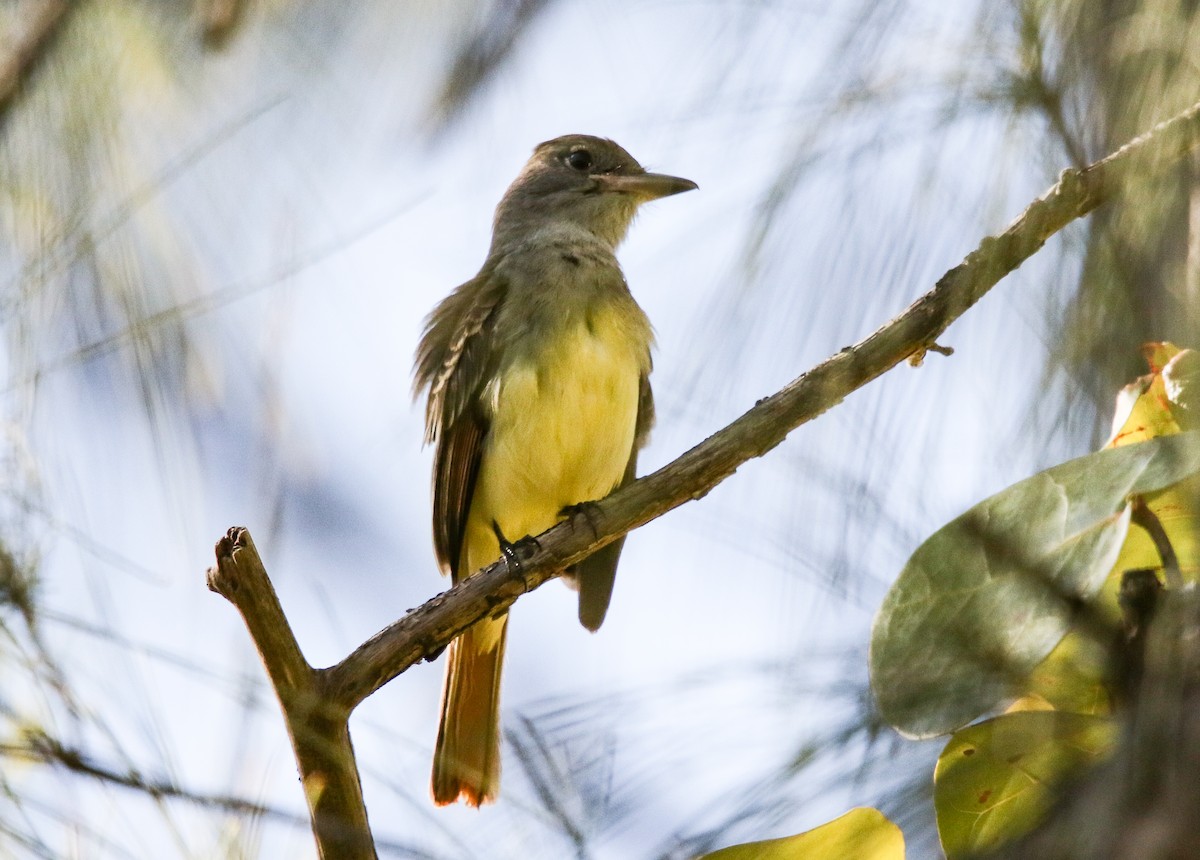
column 985, row 599
column 995, row 780
column 860, row 834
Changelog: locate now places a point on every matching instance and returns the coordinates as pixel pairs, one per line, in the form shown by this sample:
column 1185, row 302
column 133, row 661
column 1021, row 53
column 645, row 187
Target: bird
column 538, row 399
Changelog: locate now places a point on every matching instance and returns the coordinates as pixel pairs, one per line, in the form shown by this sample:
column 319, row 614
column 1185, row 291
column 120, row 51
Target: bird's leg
column 513, row 552
column 589, row 511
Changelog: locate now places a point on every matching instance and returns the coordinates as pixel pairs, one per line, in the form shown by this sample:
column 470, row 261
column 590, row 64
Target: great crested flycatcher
column 537, row 370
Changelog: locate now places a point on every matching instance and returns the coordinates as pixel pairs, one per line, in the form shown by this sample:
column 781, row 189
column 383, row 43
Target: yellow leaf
column 860, row 834
column 1029, row 702
column 1072, row 676
column 996, row 779
column 1144, row 410
column 1159, row 409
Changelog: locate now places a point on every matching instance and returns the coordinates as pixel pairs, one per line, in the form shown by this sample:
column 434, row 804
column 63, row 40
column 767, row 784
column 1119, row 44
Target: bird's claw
column 589, row 511
column 514, row 552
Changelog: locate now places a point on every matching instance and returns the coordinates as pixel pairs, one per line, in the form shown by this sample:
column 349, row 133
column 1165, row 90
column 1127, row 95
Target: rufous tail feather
column 466, row 760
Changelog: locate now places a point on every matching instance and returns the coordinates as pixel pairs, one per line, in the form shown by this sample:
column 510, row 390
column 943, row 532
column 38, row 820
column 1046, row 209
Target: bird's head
column 585, row 181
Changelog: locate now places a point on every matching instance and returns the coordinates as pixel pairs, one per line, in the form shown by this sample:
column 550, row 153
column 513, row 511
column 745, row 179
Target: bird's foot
column 514, row 552
column 589, row 511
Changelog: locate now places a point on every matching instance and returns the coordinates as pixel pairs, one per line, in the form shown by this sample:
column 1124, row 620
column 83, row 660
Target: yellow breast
column 562, row 430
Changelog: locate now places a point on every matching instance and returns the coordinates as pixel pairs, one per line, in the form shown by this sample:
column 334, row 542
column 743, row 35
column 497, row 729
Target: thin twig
column 43, row 748
column 25, row 51
column 219, row 20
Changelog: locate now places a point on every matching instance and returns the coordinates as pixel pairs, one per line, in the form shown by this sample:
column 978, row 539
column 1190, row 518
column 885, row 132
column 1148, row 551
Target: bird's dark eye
column 580, row 159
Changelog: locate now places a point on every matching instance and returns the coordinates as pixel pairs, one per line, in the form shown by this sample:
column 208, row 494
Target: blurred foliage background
column 221, row 224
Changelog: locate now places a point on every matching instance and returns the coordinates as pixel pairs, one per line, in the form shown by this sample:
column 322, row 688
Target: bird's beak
column 645, row 186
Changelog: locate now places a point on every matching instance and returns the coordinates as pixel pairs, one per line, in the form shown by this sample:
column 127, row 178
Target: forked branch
column 316, row 703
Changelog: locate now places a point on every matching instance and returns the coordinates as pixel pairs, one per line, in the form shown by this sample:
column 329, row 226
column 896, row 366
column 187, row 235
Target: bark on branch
column 318, row 728
column 316, row 703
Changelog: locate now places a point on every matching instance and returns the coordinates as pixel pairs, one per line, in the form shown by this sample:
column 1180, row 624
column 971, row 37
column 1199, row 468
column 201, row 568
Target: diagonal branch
column 219, row 20
column 43, row 748
column 317, row 702
column 424, row 631
column 27, row 48
column 483, row 53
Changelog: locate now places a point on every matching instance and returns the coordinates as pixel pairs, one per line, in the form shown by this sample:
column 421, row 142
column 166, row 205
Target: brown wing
column 596, row 573
column 455, row 361
column 456, row 464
